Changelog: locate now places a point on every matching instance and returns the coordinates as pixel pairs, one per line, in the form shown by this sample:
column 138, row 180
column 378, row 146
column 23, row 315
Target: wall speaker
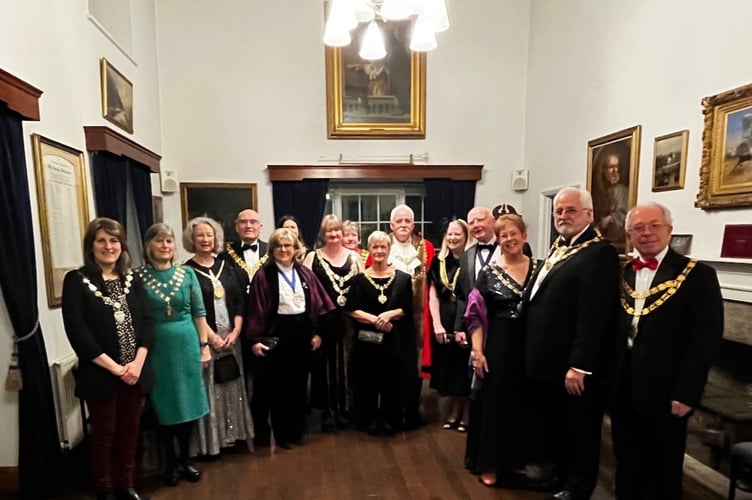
column 520, row 179
column 168, row 181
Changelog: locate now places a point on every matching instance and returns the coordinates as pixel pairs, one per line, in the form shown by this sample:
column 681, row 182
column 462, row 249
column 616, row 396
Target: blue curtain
column 305, row 200
column 446, row 199
column 141, row 182
column 39, row 459
column 109, row 173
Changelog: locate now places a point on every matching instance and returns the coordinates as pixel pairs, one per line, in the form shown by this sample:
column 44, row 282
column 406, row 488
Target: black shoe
column 129, row 494
column 262, row 441
column 342, row 422
column 189, row 472
column 172, row 476
column 563, row 495
column 327, row 423
column 286, row 445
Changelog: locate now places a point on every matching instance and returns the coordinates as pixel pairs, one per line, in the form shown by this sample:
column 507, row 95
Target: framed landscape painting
column 670, row 161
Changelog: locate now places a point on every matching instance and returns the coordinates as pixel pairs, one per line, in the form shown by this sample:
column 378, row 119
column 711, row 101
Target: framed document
column 63, row 210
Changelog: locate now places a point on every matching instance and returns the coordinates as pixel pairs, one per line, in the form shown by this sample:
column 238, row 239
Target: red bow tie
column 651, row 264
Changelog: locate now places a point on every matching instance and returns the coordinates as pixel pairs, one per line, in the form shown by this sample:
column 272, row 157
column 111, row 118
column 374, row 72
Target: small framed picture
column 681, row 243
column 117, row 96
column 670, row 161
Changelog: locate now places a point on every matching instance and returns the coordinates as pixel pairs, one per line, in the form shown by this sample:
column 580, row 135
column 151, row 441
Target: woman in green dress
column 180, row 349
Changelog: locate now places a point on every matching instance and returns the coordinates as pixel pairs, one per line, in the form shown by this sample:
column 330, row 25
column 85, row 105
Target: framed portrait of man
column 612, row 168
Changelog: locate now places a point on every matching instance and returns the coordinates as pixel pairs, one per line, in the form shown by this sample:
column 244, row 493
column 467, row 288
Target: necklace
column 115, row 303
column 219, row 289
column 338, row 282
column 158, row 287
column 297, row 299
column 250, row 270
column 511, row 284
column 380, row 288
column 445, row 279
column 669, row 288
column 559, row 252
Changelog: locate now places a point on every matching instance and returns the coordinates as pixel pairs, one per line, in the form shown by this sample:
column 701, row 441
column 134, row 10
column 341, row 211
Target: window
column 371, row 204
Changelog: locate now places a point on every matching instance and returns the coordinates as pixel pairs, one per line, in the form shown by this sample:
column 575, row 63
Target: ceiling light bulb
column 372, row 47
column 423, row 37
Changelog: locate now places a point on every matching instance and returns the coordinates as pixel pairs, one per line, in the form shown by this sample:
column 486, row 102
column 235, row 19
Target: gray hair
column 190, row 230
column 379, row 236
column 285, row 233
column 401, row 208
column 586, row 199
column 666, row 213
column 158, row 230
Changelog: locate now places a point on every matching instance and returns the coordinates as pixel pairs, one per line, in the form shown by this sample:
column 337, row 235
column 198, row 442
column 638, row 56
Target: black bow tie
column 247, row 246
column 490, row 247
column 563, row 242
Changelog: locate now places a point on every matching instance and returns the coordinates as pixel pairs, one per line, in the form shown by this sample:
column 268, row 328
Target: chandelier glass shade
column 429, row 17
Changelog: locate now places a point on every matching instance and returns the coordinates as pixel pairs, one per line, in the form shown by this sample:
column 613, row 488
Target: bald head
column 480, row 221
column 248, row 225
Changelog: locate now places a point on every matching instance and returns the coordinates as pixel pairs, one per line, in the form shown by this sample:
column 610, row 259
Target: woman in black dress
column 449, row 353
column 335, row 266
column 385, row 346
column 495, row 440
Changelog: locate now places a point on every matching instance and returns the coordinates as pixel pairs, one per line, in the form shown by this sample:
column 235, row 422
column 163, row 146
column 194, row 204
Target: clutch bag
column 370, row 337
column 226, row 369
column 270, row 342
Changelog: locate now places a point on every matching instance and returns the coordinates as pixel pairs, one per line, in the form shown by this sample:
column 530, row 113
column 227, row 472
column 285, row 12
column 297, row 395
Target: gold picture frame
column 219, row 200
column 726, row 170
column 670, row 161
column 63, row 210
column 383, row 99
column 117, row 96
column 614, row 189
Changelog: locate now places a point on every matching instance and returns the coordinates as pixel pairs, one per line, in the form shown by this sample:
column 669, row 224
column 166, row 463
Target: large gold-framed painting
column 382, row 99
column 612, row 168
column 219, row 200
column 63, row 210
column 726, row 171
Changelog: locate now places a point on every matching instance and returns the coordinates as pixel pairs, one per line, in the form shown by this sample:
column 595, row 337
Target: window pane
column 384, row 226
column 350, row 207
column 386, row 203
column 365, row 231
column 416, row 203
column 328, row 206
column 368, row 207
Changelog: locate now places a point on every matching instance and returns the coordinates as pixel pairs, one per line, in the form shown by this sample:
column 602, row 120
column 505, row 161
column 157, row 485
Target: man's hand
column 574, row 382
column 679, row 409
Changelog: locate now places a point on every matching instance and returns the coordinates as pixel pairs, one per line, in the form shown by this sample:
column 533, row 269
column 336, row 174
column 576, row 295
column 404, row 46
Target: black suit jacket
column 465, row 284
column 571, row 319
column 676, row 342
column 240, row 274
column 90, row 327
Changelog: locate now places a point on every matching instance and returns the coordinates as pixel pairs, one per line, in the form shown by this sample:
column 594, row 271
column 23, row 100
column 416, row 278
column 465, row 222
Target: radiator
column 70, row 422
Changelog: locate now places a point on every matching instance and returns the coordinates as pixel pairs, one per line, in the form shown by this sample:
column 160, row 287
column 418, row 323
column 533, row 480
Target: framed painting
column 670, row 161
column 157, row 208
column 681, row 243
column 220, row 201
column 612, row 168
column 381, row 99
column 117, row 96
column 63, row 210
column 726, row 170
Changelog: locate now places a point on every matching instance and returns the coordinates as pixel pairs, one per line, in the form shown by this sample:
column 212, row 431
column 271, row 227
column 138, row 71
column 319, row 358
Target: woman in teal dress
column 180, row 349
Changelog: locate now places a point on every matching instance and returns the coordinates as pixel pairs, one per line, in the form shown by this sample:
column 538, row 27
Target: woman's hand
column 461, row 339
column 205, row 356
column 232, row 339
column 480, row 365
column 259, row 349
column 440, row 332
column 132, row 372
column 383, row 322
column 315, row 342
column 216, row 341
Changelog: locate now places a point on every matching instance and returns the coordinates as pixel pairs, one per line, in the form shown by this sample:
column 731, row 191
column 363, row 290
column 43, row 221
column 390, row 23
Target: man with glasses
column 670, row 325
column 247, row 255
column 570, row 313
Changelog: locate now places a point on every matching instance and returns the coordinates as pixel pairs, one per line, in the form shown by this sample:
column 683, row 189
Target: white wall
column 596, row 67
column 53, row 46
column 243, row 86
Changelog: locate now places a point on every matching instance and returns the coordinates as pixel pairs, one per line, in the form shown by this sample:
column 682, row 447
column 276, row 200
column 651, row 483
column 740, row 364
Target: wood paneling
column 8, row 480
column 374, row 172
column 20, row 96
column 100, row 138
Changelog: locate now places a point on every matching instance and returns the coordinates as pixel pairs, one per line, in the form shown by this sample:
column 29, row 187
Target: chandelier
column 430, row 17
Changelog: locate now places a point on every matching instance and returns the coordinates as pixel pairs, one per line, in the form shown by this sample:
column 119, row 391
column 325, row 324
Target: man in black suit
column 570, row 313
column 670, row 325
column 247, row 255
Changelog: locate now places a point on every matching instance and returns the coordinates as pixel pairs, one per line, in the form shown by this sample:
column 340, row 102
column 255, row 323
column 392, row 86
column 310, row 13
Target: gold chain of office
column 445, row 278
column 250, row 270
column 338, row 282
column 512, row 285
column 562, row 253
column 669, row 288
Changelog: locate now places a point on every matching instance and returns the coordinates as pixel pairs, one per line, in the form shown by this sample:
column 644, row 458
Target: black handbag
column 270, row 342
column 226, row 369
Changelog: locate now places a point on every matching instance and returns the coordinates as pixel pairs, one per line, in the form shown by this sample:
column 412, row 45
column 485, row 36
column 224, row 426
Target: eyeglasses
column 252, row 222
column 653, row 227
column 568, row 211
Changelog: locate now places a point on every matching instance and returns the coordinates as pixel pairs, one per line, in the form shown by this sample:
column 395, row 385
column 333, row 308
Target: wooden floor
column 423, row 464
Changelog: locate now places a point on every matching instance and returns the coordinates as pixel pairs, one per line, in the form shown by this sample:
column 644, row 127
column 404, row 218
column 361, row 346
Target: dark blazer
column 465, row 284
column 240, row 274
column 571, row 320
column 90, row 327
column 676, row 342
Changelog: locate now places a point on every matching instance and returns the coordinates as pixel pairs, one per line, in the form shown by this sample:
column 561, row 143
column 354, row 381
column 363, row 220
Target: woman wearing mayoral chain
column 449, row 374
column 286, row 304
column 335, row 266
column 110, row 326
column 495, row 441
column 229, row 419
column 180, row 351
column 385, row 349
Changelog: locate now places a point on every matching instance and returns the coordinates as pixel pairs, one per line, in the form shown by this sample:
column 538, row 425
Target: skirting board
column 8, row 480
